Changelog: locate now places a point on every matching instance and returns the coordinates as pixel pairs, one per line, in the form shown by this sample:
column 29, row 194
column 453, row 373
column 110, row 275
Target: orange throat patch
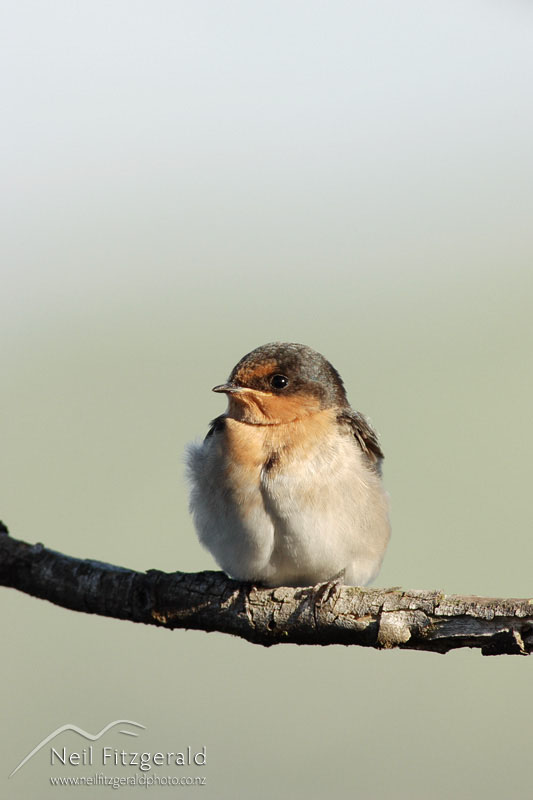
column 263, row 408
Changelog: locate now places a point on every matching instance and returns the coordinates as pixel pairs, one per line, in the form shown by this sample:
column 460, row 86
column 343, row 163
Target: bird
column 286, row 488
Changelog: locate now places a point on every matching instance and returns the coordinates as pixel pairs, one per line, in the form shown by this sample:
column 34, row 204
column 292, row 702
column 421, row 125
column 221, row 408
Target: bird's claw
column 329, row 589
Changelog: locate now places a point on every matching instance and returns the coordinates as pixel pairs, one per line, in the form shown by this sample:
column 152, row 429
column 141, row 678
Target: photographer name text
column 110, row 756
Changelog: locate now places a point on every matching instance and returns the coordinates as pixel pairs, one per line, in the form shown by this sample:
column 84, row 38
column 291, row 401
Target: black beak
column 227, row 388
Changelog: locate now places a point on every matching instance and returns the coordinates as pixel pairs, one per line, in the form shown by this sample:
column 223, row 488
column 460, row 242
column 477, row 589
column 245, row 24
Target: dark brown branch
column 209, row 601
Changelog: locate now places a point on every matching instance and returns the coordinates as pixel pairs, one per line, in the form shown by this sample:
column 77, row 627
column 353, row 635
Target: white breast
column 301, row 521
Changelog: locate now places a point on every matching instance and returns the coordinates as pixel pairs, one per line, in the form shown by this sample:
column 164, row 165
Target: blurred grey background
column 183, row 181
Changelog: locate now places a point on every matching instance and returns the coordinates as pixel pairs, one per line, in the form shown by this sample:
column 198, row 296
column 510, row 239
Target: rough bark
column 323, row 615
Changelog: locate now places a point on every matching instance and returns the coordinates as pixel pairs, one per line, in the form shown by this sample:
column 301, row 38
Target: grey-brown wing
column 216, row 425
column 365, row 436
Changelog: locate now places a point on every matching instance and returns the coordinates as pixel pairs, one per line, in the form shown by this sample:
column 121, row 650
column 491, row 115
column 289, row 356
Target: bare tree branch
column 209, row 601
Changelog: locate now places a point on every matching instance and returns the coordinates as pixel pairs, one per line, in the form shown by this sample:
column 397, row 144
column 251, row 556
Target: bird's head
column 281, row 382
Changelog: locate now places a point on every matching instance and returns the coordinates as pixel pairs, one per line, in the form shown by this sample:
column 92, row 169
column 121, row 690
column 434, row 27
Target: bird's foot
column 329, row 589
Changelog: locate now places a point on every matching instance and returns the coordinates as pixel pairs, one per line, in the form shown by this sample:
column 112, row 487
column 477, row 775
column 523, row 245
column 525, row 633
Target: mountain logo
column 93, row 737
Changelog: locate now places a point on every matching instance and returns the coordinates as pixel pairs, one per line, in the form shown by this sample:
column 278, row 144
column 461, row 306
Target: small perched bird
column 286, row 487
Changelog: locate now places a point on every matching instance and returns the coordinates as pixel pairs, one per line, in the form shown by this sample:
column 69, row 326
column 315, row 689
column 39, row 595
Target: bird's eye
column 279, row 381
